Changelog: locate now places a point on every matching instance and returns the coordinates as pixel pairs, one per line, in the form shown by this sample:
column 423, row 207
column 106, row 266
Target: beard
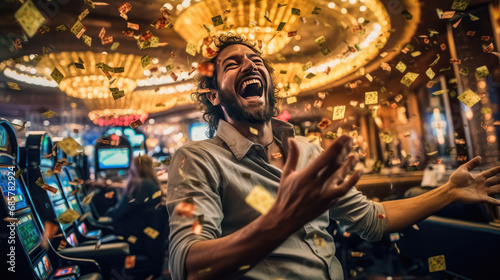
column 257, row 115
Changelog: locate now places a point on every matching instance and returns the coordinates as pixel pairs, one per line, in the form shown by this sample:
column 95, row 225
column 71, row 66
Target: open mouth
column 251, row 88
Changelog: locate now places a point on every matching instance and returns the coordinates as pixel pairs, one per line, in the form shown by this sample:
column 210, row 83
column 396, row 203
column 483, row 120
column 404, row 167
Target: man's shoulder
column 305, row 143
column 202, row 143
column 302, row 139
column 202, row 147
column 308, row 151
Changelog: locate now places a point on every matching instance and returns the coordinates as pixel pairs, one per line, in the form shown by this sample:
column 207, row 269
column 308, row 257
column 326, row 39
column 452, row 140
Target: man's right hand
column 304, row 195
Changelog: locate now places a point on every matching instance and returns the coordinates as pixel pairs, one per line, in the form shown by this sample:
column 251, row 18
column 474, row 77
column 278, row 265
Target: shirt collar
column 240, row 145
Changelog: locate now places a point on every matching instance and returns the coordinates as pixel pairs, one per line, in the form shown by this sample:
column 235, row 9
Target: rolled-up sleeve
column 360, row 215
column 191, row 174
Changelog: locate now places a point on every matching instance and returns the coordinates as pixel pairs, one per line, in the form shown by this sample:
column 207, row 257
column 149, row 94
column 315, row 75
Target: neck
column 258, row 133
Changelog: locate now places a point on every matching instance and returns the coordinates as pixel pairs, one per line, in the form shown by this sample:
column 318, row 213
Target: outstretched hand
column 468, row 188
column 305, row 194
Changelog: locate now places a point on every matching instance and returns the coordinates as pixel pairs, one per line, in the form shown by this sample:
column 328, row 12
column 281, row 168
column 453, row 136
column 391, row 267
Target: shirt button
column 258, row 148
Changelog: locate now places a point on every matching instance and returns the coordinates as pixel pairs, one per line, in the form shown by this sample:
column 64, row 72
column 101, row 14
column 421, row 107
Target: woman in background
column 133, row 214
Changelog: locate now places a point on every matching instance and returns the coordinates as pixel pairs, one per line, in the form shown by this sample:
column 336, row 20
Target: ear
column 213, row 97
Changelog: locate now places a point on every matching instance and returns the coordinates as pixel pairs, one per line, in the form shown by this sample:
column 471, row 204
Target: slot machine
column 25, row 257
column 135, row 137
column 71, row 175
column 88, row 228
column 41, row 160
column 113, row 156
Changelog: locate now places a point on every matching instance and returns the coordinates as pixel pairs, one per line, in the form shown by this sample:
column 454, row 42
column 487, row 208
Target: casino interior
column 87, row 86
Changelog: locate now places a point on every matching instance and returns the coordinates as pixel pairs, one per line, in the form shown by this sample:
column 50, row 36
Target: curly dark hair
column 212, row 114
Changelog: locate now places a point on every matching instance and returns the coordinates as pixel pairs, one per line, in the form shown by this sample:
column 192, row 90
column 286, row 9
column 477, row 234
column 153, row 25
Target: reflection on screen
column 28, row 232
column 12, row 189
column 51, row 181
column 113, row 158
column 65, row 183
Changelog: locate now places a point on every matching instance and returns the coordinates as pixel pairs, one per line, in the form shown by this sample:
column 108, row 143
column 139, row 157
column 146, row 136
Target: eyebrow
column 233, row 57
column 254, row 55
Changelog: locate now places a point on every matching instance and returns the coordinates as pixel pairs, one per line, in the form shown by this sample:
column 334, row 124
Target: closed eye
column 230, row 65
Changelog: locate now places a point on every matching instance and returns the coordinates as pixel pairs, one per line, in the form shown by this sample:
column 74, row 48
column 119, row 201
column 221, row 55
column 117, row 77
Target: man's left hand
column 468, row 188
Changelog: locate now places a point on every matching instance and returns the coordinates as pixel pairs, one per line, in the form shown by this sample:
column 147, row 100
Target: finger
column 339, row 175
column 493, row 189
column 335, row 165
column 293, row 158
column 491, row 172
column 473, row 163
column 339, row 190
column 494, row 180
column 335, row 154
column 492, row 200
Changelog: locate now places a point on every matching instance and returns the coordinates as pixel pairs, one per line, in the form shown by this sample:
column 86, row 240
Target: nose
column 248, row 65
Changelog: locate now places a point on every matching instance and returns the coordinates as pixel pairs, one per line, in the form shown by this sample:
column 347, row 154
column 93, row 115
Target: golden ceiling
column 314, row 45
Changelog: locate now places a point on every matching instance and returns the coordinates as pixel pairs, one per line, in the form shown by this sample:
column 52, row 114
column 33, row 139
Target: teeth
column 246, row 83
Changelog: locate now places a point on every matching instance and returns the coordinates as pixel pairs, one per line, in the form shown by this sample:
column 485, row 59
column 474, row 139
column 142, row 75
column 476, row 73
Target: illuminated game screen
column 66, row 186
column 72, row 239
column 43, row 268
column 46, row 148
column 12, row 189
column 75, row 206
column 28, row 232
column 59, row 209
column 5, row 145
column 74, row 175
column 113, row 158
column 51, row 181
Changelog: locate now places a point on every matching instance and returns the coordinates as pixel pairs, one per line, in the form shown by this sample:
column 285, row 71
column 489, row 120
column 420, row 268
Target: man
column 289, row 240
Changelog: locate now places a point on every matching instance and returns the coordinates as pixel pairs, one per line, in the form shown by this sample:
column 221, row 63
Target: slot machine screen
column 28, row 232
column 75, row 206
column 51, row 181
column 72, row 239
column 74, row 176
column 83, row 228
column 5, row 145
column 113, row 158
column 66, row 186
column 45, row 150
column 59, row 209
column 12, row 189
column 43, row 268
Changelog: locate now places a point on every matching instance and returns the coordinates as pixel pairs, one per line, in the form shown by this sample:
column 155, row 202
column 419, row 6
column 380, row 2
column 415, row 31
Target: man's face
column 245, row 85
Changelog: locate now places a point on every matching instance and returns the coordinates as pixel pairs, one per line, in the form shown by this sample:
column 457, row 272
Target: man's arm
column 234, row 254
column 302, row 196
column 462, row 187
